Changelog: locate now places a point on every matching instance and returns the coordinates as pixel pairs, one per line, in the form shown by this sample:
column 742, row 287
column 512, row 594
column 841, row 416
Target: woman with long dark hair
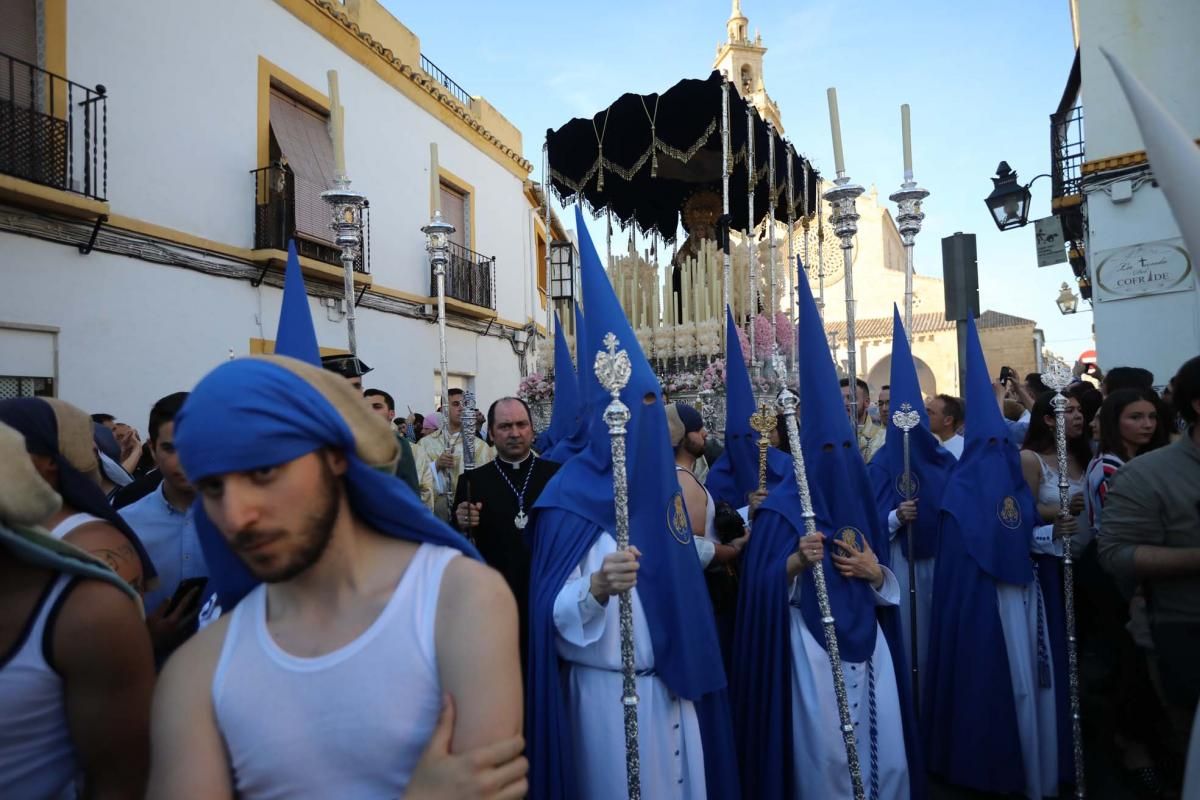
column 1039, row 457
column 1131, row 422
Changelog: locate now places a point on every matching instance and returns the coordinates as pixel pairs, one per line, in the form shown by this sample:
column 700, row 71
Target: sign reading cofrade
column 1147, row 268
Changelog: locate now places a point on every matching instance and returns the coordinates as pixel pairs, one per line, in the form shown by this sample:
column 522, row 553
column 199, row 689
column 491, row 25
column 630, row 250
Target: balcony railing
column 281, row 198
column 53, row 131
column 460, row 94
column 1066, row 140
column 470, row 277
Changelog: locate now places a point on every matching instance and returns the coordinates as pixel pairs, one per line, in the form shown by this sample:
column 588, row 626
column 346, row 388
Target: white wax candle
column 835, row 124
column 435, row 182
column 906, row 129
column 686, row 287
column 336, row 129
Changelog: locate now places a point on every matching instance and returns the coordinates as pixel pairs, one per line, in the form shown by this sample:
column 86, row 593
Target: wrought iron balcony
column 53, row 131
column 459, row 93
column 1066, row 142
column 288, row 207
column 470, row 277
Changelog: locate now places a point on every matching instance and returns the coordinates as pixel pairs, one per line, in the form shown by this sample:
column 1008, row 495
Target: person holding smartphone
column 163, row 521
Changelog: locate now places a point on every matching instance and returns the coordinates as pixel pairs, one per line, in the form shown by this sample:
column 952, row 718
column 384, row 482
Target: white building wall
column 132, row 332
column 182, row 80
column 1156, row 41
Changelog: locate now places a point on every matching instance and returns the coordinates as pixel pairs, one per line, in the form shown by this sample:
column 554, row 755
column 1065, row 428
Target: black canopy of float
column 608, row 160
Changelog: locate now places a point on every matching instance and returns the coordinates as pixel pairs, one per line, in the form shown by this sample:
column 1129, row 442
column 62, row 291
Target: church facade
column 879, row 266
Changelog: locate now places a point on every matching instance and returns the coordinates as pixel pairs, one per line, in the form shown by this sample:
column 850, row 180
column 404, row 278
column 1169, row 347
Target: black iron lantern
column 1009, row 200
column 562, row 270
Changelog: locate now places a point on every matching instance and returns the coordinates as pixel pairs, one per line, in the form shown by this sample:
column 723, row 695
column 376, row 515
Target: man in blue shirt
column 163, row 521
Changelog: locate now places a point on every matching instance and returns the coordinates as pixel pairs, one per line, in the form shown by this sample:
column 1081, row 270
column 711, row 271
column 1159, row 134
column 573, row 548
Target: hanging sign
column 1051, row 249
column 1142, row 269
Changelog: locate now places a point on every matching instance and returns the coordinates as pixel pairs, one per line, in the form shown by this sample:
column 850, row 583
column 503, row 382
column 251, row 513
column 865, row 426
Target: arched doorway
column 881, row 374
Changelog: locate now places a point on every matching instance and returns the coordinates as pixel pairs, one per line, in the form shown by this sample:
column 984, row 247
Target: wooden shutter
column 303, row 137
column 454, row 211
column 18, row 39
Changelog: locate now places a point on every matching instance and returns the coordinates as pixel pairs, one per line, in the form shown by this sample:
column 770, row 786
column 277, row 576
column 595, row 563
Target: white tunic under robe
column 819, row 765
column 1037, row 722
column 924, row 569
column 589, row 638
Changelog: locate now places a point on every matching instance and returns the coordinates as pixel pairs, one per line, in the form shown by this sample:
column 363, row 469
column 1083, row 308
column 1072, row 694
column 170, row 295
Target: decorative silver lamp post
column 908, row 199
column 437, row 244
column 844, row 218
column 347, row 206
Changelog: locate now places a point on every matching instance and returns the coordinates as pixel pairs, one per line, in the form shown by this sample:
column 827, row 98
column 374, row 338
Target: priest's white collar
column 515, row 465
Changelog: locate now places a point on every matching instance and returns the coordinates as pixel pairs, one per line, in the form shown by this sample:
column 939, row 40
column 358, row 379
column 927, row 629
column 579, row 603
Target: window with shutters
column 288, row 201
column 456, row 210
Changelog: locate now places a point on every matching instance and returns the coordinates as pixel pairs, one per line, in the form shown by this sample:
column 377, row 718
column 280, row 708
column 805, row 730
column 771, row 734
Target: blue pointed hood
column 987, row 494
column 930, row 463
column 566, row 389
column 296, row 336
column 670, row 583
column 837, row 480
column 575, row 438
column 575, row 508
column 734, row 475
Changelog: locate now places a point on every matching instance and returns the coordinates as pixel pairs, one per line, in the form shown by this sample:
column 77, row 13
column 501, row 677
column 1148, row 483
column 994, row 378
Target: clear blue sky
column 982, row 80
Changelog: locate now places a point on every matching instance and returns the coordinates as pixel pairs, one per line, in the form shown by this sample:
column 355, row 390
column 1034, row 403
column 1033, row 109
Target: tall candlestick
column 835, row 124
column 907, row 131
column 335, row 124
column 435, row 183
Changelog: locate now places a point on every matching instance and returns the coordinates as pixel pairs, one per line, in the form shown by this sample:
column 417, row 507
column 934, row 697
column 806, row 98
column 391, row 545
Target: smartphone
column 185, row 586
column 1007, row 374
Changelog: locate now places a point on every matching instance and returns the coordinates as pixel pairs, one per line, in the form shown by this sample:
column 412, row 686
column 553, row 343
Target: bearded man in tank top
column 360, row 620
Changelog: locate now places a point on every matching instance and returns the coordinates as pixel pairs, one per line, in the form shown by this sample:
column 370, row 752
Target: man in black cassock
column 493, row 503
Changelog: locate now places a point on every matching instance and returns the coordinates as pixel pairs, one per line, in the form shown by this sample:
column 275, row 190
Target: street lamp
column 562, row 270
column 1009, row 200
column 1068, row 301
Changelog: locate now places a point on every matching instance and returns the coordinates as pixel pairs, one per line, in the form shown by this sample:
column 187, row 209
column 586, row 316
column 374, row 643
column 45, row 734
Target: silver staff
column 468, row 430
column 844, row 218
column 1057, row 378
column 906, row 419
column 612, row 368
column 437, row 244
column 727, row 274
column 788, row 403
column 772, row 247
column 821, row 263
column 908, row 221
column 793, row 271
column 347, row 206
column 751, row 248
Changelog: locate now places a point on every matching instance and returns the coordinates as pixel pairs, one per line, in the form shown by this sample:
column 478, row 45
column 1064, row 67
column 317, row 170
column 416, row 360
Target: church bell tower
column 741, row 59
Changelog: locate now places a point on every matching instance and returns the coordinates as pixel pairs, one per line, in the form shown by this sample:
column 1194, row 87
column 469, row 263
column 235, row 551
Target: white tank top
column 71, row 523
column 349, row 724
column 1048, row 488
column 710, row 507
column 37, row 758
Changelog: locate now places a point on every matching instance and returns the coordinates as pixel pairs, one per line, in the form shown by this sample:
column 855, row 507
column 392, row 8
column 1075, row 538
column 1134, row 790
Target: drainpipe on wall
column 1039, row 342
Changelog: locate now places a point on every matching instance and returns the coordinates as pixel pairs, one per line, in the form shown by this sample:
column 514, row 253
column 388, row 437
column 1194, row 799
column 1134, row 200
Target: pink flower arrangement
column 713, row 378
column 536, row 387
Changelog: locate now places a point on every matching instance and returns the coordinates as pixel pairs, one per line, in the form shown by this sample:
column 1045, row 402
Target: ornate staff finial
column 906, row 418
column 763, row 422
column 613, row 368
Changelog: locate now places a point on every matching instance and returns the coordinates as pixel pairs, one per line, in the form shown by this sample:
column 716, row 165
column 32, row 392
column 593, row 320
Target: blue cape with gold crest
column 573, row 510
column 841, row 492
column 969, row 717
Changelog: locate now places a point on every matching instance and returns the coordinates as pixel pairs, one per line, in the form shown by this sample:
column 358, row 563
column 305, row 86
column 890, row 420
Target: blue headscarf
column 566, row 396
column 930, row 463
column 37, row 421
column 969, row 717
column 734, row 475
column 840, row 493
column 296, row 336
column 267, row 410
column 574, row 509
